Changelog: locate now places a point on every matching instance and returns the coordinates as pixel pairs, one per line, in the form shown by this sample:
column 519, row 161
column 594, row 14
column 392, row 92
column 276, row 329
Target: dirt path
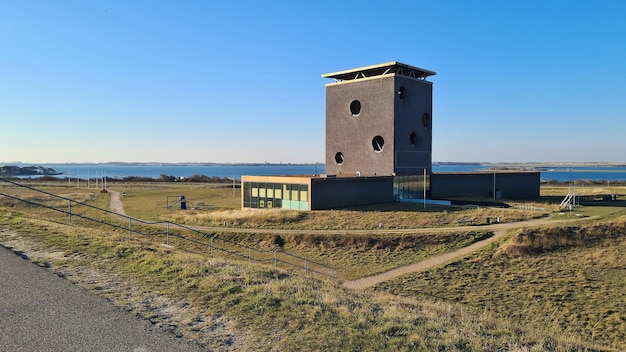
column 116, row 204
column 499, row 230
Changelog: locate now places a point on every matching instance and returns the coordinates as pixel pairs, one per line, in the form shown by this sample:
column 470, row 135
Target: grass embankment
column 570, row 279
column 360, row 255
column 355, row 255
column 229, row 305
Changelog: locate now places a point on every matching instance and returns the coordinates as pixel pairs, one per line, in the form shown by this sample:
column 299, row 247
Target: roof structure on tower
column 387, row 68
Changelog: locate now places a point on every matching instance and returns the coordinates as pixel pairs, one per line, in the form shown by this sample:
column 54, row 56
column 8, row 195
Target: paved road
column 40, row 311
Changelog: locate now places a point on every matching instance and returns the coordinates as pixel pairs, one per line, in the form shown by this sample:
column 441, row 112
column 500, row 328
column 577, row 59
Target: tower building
column 379, row 129
column 379, row 120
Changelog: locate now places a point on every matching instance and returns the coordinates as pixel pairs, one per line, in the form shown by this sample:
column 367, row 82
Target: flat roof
column 392, row 67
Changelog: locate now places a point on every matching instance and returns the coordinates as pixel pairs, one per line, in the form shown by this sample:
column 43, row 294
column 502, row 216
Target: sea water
column 112, row 170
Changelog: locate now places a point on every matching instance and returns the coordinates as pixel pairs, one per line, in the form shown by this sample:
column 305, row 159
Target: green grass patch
column 151, row 201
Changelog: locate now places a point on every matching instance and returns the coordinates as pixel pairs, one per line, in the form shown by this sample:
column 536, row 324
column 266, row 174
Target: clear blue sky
column 240, row 81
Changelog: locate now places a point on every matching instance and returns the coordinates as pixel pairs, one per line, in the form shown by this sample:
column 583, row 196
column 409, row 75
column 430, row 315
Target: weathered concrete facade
column 507, row 185
column 379, row 121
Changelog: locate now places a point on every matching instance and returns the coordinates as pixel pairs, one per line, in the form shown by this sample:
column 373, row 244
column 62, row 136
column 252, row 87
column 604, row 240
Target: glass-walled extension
column 411, row 187
column 280, row 195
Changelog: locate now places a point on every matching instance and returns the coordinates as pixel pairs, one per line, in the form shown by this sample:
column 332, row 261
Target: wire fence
column 175, row 235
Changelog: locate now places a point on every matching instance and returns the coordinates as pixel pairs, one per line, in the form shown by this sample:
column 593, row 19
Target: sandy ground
column 115, row 203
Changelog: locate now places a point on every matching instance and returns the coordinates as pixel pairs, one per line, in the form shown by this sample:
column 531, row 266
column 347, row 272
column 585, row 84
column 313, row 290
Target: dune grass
column 399, row 216
column 267, row 310
column 570, row 279
column 539, row 290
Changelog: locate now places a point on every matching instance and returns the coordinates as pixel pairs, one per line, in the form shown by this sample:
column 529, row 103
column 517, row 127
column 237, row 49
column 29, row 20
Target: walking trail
column 115, row 203
column 499, row 230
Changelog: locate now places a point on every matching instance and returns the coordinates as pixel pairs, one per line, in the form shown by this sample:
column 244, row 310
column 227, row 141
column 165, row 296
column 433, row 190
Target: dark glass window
column 355, row 108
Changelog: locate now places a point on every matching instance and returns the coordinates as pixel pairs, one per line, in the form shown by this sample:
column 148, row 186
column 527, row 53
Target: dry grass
column 403, row 217
column 558, row 290
column 229, row 305
column 567, row 280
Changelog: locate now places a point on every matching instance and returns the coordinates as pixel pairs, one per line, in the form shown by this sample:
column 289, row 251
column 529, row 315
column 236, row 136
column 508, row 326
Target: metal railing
column 185, row 237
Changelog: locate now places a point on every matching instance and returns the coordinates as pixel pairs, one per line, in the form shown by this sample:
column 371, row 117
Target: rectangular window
column 286, row 192
column 255, row 192
column 278, row 194
column 262, row 192
column 294, row 195
column 270, row 193
column 303, row 196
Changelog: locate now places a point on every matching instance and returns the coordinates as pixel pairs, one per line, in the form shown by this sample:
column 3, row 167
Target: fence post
column 129, row 229
column 167, row 234
column 69, row 212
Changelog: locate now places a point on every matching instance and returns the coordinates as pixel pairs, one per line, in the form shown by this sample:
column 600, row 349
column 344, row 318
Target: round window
column 377, row 143
column 426, row 120
column 401, row 93
column 413, row 139
column 355, row 108
column 339, row 158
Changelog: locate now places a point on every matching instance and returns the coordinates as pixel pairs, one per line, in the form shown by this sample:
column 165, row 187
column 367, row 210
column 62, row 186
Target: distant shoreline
column 438, row 163
column 532, row 164
column 149, row 163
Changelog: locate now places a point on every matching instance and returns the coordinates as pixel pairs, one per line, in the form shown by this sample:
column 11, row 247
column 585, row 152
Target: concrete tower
column 379, row 121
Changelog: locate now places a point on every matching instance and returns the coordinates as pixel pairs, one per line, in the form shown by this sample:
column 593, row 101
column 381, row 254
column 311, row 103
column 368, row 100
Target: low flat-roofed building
column 314, row 192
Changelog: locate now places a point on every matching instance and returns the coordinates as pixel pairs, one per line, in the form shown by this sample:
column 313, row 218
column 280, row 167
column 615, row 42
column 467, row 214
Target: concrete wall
column 334, row 192
column 352, row 134
column 383, row 113
column 413, row 116
column 509, row 185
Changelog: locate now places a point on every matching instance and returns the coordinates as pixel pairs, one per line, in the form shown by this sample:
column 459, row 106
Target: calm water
column 154, row 171
column 83, row 171
column 561, row 174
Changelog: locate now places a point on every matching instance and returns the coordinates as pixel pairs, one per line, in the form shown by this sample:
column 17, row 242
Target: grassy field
column 568, row 279
column 229, row 305
column 556, row 289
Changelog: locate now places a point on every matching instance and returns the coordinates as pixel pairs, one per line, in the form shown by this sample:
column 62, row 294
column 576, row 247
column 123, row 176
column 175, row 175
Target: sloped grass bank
column 229, row 305
column 570, row 281
column 357, row 256
column 394, row 216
